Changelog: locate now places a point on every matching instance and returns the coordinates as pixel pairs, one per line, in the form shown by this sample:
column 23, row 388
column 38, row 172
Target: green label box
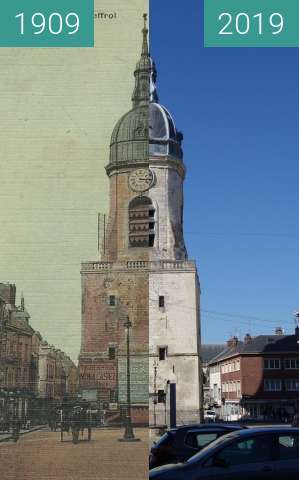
column 251, row 23
column 47, row 23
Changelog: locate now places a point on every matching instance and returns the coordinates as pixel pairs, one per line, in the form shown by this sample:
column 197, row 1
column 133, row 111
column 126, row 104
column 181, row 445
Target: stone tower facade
column 144, row 273
column 117, row 287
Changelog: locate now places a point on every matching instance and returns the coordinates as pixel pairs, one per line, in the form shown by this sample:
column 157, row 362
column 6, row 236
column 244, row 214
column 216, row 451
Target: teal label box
column 251, row 23
column 47, row 23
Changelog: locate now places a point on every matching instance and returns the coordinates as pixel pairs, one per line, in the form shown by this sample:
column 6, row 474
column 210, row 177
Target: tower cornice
column 156, row 161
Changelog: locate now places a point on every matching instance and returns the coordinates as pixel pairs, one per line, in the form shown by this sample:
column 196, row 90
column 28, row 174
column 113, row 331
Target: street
column 41, row 456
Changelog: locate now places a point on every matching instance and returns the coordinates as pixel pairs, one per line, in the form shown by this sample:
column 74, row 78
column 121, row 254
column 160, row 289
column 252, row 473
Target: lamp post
column 155, row 392
column 128, row 434
column 13, row 398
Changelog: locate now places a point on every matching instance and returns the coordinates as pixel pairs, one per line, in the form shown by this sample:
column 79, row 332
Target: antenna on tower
column 101, row 233
column 296, row 318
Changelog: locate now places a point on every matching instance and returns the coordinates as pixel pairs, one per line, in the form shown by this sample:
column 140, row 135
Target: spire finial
column 22, row 302
column 145, row 49
column 145, row 20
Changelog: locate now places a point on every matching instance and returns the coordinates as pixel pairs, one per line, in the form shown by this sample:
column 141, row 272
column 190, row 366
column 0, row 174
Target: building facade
column 57, row 378
column 16, row 388
column 259, row 377
column 211, row 376
column 34, row 375
column 144, row 273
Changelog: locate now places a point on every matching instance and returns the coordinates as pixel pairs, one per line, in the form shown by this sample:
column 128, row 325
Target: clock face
column 141, row 180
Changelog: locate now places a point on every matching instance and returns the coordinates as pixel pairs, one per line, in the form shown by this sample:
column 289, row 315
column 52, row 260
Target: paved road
column 41, row 456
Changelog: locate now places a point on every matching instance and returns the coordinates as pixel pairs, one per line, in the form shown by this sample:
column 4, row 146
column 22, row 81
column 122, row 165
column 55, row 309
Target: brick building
column 259, row 376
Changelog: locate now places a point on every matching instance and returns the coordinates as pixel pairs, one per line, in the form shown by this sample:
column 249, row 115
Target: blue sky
column 238, row 110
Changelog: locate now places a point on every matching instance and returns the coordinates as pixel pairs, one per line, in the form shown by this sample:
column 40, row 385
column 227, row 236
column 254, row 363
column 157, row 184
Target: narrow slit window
column 112, row 353
column 112, row 300
column 161, row 301
column 162, row 354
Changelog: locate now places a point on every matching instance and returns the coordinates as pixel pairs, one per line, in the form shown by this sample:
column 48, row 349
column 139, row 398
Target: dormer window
column 141, row 222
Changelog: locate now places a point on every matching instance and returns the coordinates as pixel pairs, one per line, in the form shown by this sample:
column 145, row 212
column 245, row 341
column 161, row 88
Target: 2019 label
column 242, row 23
column 251, row 23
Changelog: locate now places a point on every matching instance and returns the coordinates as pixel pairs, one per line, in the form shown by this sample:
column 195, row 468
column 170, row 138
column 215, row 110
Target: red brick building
column 259, row 377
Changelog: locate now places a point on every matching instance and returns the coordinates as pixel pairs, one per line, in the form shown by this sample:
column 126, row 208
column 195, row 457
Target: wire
column 243, row 316
column 245, row 234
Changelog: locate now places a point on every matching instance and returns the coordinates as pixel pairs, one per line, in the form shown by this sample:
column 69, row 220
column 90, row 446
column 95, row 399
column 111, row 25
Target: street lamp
column 128, row 434
column 155, row 391
column 13, row 399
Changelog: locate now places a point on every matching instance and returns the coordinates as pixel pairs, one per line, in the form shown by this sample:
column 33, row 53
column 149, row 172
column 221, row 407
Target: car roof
column 239, row 434
column 223, row 426
column 276, row 429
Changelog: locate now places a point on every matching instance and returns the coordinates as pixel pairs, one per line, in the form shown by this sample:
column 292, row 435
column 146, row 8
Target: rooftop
column 262, row 345
column 210, row 351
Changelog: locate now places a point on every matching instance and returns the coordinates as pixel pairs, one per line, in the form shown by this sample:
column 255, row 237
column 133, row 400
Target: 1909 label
column 50, row 23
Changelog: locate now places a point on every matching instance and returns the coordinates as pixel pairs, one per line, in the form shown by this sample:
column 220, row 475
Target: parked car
column 250, row 454
column 210, row 415
column 181, row 443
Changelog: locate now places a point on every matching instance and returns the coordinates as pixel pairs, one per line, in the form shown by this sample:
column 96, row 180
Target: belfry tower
column 144, row 273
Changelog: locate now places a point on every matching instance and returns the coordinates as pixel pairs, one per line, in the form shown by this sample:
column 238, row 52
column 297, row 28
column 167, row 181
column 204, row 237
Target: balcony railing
column 172, row 265
column 10, row 358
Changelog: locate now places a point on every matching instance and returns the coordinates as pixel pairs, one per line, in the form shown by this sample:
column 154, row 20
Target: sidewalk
column 5, row 437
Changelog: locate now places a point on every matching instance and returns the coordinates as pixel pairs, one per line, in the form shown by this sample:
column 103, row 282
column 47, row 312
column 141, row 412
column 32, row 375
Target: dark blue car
column 179, row 444
column 251, row 454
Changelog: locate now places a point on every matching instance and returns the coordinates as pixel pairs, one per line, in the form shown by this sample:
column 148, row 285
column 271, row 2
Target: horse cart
column 75, row 420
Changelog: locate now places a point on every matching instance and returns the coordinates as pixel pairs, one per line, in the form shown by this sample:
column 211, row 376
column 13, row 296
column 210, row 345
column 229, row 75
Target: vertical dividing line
column 104, row 240
column 99, row 220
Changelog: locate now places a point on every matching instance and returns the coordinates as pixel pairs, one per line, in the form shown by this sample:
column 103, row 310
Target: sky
column 238, row 110
column 60, row 106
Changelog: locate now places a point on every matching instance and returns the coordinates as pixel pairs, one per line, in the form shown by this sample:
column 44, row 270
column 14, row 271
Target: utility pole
column 155, row 392
column 2, row 343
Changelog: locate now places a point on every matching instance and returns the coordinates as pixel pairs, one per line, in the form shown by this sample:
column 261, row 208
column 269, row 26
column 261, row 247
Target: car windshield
column 166, row 439
column 219, row 441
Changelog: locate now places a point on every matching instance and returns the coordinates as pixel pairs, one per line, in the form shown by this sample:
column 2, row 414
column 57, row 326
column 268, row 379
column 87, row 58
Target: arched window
column 141, row 222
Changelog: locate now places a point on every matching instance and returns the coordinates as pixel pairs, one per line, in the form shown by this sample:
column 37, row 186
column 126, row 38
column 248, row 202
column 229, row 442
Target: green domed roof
column 130, row 137
column 129, row 141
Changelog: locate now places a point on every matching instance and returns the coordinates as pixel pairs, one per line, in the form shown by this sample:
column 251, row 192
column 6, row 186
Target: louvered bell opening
column 141, row 223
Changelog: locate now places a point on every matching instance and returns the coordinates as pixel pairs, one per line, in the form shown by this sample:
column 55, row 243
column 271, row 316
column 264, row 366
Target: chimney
column 278, row 331
column 8, row 292
column 247, row 339
column 296, row 315
column 232, row 342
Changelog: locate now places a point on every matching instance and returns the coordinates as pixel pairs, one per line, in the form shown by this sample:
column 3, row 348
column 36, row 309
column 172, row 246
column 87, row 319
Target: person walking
column 295, row 422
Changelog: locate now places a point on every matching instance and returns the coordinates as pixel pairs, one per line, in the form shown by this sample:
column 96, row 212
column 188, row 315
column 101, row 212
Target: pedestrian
column 15, row 429
column 295, row 422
